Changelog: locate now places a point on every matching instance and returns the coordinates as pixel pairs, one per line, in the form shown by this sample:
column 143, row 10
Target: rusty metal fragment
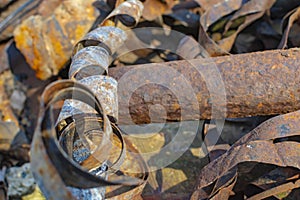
column 128, row 13
column 252, row 11
column 276, row 177
column 252, row 84
column 292, row 17
column 111, row 38
column 278, row 154
column 225, row 192
column 88, row 62
column 252, row 148
column 279, row 127
column 210, row 46
column 14, row 14
column 99, row 84
column 48, row 158
column 276, row 190
column 99, row 142
column 6, row 111
column 91, row 59
column 217, row 11
column 47, row 43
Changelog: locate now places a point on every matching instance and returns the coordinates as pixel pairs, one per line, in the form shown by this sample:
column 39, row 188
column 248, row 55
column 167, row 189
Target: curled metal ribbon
column 86, row 141
column 89, row 61
column 48, row 159
column 105, row 88
column 128, row 13
column 108, row 37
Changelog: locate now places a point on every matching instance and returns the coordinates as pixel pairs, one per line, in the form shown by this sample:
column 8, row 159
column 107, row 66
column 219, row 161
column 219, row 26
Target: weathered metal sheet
column 259, row 146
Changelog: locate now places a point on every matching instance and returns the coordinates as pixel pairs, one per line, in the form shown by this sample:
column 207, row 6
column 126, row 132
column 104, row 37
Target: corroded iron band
column 93, row 60
column 81, row 120
column 48, row 157
column 110, row 38
column 129, row 13
column 105, row 88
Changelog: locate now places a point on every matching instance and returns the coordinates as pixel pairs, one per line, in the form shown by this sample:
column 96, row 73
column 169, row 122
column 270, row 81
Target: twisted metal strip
column 87, row 68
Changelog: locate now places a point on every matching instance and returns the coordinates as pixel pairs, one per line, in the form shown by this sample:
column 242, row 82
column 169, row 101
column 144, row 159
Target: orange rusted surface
column 47, row 43
column 261, row 83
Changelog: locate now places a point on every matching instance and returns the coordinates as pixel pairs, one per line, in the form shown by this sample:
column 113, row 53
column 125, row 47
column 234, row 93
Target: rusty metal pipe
column 260, row 83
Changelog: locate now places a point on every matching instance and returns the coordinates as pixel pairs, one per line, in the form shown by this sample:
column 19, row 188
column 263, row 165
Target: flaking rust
column 261, row 83
column 47, row 43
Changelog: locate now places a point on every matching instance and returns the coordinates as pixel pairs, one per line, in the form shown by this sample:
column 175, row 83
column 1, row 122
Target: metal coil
column 89, row 61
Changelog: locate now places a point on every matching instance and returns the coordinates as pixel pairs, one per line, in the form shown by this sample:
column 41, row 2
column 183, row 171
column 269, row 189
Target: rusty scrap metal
column 99, row 84
column 217, row 11
column 110, row 37
column 87, row 71
column 252, row 148
column 284, row 154
column 47, row 43
column 7, row 114
column 14, row 14
column 128, row 13
column 291, row 17
column 49, row 160
column 278, row 127
column 277, row 190
column 91, row 55
column 89, row 61
column 260, row 83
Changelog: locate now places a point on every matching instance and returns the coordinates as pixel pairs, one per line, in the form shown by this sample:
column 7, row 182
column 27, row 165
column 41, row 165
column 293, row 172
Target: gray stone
column 20, row 181
column 17, row 100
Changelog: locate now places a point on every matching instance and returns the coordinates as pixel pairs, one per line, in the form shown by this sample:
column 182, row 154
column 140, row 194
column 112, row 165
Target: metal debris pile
column 238, row 114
